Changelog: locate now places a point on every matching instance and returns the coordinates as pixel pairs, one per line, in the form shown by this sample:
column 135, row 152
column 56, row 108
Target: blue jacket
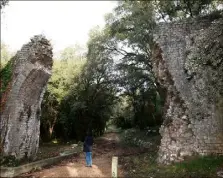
column 88, row 142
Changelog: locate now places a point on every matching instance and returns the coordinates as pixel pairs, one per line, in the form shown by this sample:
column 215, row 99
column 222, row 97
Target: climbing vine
column 6, row 75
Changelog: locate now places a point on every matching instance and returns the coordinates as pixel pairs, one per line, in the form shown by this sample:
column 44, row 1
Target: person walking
column 88, row 142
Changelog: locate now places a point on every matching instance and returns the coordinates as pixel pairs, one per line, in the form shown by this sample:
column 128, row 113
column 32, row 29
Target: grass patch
column 145, row 165
column 199, row 167
column 202, row 164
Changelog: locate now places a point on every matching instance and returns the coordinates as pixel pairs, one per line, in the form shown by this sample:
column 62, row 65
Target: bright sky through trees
column 64, row 22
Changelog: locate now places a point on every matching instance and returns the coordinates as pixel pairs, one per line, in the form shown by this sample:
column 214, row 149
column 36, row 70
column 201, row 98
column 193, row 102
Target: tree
column 118, row 65
column 64, row 71
column 75, row 52
column 176, row 10
column 132, row 23
column 123, row 112
column 131, row 27
column 89, row 103
column 3, row 3
column 6, row 55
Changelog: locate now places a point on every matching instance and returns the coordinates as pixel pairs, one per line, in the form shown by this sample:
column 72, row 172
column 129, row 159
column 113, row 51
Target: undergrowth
column 6, row 74
column 145, row 165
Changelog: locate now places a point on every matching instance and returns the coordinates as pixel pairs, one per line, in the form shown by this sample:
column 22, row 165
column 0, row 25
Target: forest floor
column 52, row 150
column 133, row 162
column 103, row 150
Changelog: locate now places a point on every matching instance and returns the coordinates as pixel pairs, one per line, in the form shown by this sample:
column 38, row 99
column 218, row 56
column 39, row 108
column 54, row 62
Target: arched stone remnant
column 188, row 62
column 20, row 114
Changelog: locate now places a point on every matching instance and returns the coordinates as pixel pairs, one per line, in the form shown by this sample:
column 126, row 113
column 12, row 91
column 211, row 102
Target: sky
column 65, row 23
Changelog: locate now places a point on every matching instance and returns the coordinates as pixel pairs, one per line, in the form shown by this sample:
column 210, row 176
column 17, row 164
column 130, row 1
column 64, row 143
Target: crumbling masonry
column 20, row 114
column 188, row 62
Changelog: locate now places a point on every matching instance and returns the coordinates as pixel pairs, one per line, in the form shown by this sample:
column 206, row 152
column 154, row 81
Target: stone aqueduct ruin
column 188, row 63
column 20, row 112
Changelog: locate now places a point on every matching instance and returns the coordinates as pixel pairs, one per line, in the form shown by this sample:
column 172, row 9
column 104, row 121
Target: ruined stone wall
column 20, row 115
column 188, row 62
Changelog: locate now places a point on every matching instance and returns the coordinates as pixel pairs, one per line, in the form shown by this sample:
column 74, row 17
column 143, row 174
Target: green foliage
column 9, row 161
column 176, row 10
column 6, row 76
column 145, row 165
column 5, row 55
column 6, row 68
column 73, row 53
column 198, row 167
column 63, row 73
column 132, row 23
column 201, row 165
column 89, row 103
column 116, row 79
column 123, row 113
column 131, row 26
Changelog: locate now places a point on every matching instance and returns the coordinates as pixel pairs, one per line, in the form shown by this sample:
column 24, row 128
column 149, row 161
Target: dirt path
column 103, row 150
